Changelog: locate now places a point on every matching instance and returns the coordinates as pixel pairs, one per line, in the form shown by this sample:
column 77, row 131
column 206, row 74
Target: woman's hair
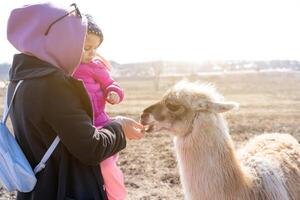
column 93, row 27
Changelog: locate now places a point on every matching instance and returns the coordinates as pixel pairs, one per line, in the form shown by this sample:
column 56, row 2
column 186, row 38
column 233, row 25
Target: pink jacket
column 98, row 83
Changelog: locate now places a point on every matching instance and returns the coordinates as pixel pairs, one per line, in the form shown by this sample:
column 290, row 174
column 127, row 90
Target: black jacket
column 49, row 103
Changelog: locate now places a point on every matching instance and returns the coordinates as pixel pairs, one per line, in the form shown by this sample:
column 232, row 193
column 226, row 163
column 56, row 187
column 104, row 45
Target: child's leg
column 113, row 179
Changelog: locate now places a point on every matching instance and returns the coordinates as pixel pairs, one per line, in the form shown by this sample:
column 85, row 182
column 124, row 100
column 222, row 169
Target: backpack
column 15, row 170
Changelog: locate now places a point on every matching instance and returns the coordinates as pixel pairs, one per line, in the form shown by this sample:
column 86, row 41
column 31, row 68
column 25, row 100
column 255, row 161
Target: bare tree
column 157, row 69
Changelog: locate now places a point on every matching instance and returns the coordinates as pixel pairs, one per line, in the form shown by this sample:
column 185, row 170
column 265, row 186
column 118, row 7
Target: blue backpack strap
column 7, row 109
column 50, row 150
column 52, row 147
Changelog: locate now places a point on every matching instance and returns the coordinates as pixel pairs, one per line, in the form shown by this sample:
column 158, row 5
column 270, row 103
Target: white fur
column 267, row 168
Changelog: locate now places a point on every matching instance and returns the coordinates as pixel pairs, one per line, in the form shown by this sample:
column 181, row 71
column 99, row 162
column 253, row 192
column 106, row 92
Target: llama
column 267, row 168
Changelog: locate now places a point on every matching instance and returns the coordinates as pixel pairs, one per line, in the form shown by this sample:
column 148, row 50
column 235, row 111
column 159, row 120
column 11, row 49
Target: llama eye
column 172, row 107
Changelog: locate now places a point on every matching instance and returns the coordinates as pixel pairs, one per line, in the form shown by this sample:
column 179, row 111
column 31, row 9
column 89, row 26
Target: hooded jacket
column 62, row 46
column 49, row 103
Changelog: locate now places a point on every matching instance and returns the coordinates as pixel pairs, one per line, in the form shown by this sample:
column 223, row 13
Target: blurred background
column 249, row 49
column 194, row 31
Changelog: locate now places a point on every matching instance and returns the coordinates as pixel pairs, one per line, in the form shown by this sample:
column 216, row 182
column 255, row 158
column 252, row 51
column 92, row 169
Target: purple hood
column 63, row 45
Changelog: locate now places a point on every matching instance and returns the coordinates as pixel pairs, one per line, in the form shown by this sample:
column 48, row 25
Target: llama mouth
column 149, row 127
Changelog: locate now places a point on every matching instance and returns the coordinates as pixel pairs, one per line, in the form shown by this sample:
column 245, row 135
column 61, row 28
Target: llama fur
column 266, row 168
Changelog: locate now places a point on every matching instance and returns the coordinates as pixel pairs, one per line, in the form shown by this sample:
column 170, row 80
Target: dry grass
column 269, row 102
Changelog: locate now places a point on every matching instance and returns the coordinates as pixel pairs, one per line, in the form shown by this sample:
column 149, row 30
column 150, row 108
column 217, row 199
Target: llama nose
column 144, row 118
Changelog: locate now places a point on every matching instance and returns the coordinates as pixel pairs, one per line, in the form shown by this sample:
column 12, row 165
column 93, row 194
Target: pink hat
column 62, row 46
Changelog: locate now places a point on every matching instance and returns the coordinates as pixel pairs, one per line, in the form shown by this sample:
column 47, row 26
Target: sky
column 186, row 30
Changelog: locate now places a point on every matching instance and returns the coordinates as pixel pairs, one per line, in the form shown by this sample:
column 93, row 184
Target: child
column 94, row 72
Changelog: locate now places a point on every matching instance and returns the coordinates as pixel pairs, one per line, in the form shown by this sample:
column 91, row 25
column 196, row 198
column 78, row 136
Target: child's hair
column 93, row 27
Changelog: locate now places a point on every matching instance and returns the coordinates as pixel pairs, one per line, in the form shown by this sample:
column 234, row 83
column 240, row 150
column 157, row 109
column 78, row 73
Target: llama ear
column 217, row 107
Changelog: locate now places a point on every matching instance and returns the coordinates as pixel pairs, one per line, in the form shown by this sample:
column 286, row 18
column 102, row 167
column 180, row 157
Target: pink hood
column 63, row 45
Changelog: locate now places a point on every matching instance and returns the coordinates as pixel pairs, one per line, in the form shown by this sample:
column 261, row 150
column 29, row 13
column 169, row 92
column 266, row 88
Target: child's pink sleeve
column 102, row 75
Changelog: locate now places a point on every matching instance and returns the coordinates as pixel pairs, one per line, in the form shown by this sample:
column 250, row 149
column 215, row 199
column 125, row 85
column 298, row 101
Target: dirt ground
column 269, row 102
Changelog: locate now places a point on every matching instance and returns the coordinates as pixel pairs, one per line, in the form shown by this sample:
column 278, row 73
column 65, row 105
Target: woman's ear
column 217, row 107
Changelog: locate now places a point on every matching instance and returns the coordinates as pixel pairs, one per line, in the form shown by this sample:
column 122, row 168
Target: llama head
column 181, row 104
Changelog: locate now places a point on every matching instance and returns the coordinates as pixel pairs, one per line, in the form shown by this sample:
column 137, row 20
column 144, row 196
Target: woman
column 50, row 102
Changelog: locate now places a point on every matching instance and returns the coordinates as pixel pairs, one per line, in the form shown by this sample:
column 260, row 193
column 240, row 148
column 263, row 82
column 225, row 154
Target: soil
column 269, row 102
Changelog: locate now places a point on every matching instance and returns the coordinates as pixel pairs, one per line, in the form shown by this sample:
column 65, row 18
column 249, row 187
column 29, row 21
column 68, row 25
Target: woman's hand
column 132, row 129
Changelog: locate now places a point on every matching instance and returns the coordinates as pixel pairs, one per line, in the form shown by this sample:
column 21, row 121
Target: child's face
column 92, row 42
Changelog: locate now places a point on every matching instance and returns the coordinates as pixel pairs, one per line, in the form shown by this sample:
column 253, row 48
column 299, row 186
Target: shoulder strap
column 7, row 109
column 46, row 156
column 52, row 147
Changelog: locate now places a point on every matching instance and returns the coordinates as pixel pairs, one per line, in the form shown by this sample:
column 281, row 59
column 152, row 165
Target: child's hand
column 113, row 97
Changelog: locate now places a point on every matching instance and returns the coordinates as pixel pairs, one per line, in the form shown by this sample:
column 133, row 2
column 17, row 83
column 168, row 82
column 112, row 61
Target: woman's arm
column 68, row 118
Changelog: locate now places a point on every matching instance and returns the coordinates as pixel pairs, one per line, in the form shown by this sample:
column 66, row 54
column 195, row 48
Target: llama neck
column 208, row 164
